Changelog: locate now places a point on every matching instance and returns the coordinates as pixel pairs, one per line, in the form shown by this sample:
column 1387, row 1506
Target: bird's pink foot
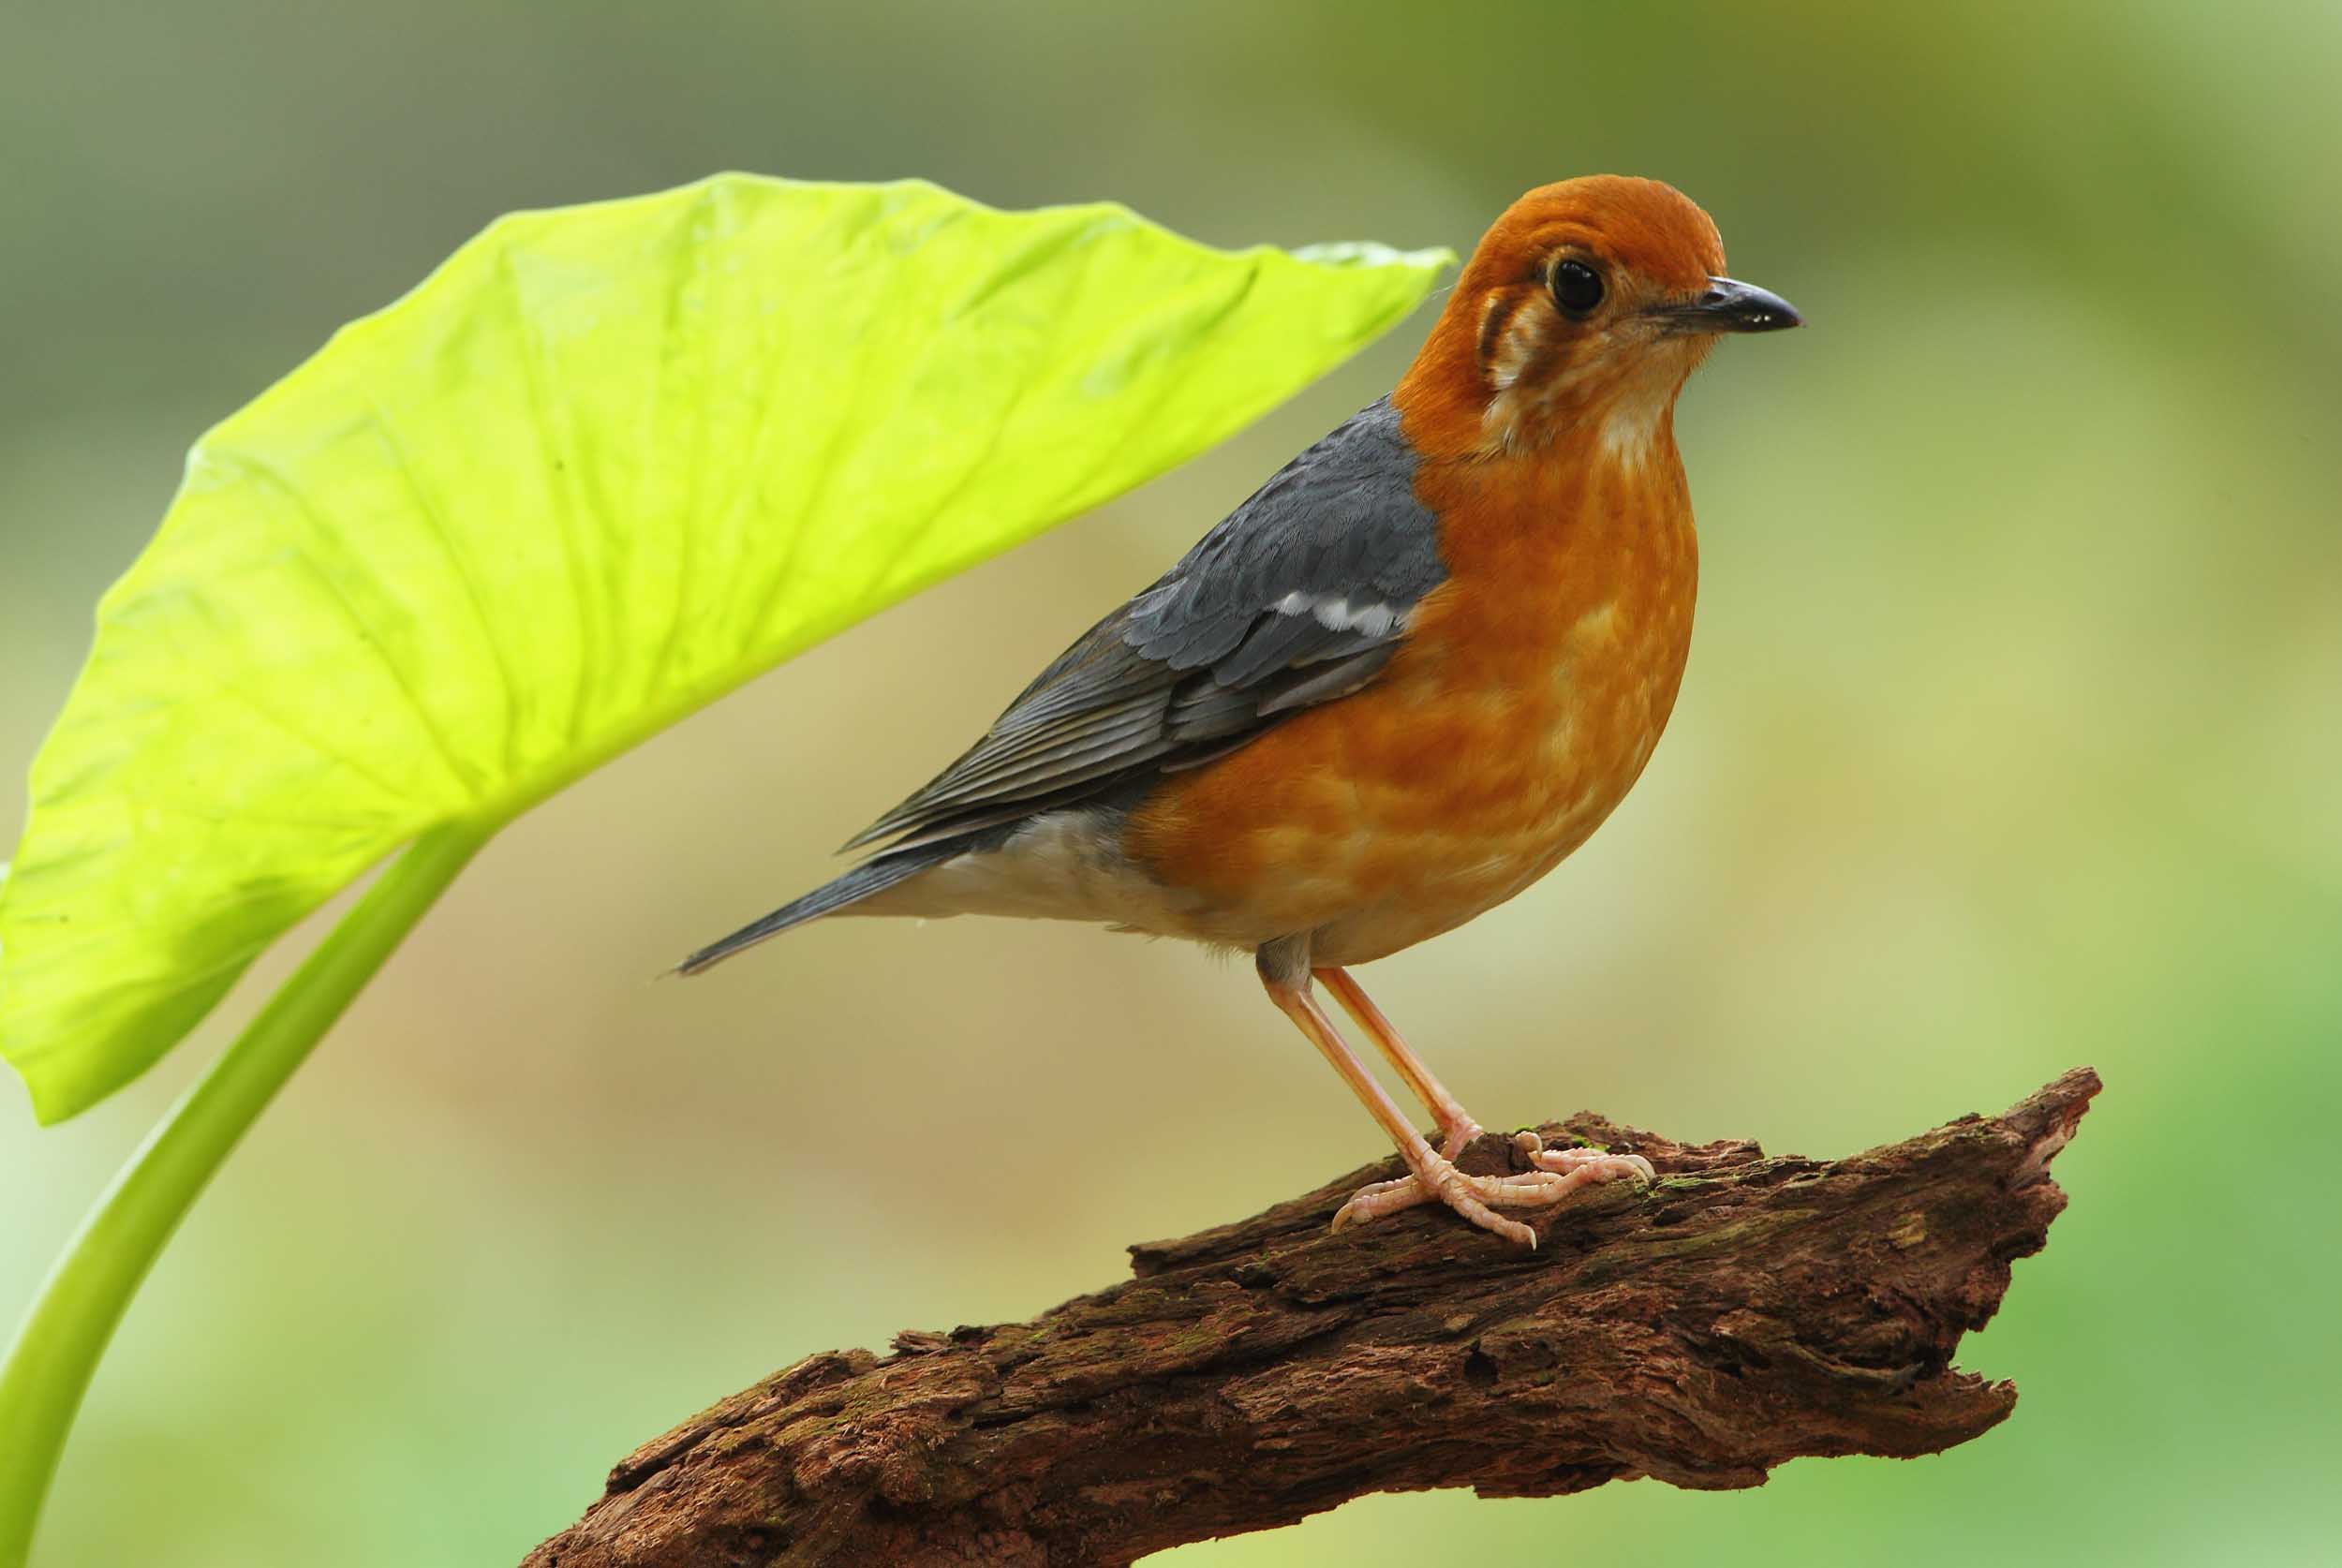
column 1559, row 1173
column 1582, row 1166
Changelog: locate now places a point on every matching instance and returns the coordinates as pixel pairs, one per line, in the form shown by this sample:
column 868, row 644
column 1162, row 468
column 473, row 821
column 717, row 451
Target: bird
column 1393, row 689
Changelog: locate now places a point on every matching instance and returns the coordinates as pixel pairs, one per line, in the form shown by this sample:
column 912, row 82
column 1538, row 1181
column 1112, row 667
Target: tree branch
column 1744, row 1311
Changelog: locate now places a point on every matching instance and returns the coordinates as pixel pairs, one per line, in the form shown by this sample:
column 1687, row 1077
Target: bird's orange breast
column 1529, row 694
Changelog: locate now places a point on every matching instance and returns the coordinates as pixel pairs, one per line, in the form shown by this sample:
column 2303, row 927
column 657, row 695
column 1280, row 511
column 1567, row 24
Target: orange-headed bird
column 1390, row 690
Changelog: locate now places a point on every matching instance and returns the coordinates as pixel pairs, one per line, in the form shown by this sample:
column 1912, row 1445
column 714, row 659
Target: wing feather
column 1299, row 596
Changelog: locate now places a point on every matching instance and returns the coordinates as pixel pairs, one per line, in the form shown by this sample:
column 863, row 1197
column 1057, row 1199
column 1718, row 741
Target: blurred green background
column 2010, row 743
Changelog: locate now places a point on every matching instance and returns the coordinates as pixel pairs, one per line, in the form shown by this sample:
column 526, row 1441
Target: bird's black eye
column 1576, row 287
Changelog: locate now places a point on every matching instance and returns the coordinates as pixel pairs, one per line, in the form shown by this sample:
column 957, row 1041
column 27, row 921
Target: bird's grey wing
column 1298, row 597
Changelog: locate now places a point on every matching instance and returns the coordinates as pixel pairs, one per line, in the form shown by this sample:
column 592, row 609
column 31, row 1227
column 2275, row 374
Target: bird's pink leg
column 1435, row 1176
column 1455, row 1125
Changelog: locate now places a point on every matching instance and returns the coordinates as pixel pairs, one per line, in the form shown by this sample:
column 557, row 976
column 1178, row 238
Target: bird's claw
column 1558, row 1173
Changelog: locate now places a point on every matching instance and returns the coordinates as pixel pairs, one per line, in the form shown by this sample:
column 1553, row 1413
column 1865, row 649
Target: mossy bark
column 1742, row 1311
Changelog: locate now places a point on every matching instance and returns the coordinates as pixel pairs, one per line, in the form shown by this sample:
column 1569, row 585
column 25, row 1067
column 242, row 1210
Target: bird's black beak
column 1730, row 307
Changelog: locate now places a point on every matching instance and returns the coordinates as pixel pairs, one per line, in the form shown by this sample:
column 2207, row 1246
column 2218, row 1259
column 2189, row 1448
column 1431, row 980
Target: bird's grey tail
column 874, row 876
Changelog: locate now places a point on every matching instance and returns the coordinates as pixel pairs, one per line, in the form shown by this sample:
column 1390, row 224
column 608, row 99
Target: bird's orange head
column 1583, row 309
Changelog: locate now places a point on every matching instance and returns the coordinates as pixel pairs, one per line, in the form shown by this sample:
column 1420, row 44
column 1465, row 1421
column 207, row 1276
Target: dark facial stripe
column 1544, row 361
column 1492, row 325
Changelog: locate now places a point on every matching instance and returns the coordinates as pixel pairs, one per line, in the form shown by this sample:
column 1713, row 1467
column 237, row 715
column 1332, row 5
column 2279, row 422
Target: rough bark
column 1743, row 1311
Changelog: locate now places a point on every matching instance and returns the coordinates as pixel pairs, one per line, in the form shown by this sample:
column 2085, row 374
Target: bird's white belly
column 1060, row 865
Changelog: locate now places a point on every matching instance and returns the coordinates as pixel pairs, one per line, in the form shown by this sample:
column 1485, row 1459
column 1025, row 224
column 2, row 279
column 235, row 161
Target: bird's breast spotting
column 1529, row 694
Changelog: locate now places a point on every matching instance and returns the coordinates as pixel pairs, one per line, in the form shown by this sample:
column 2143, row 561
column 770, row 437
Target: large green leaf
column 605, row 465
